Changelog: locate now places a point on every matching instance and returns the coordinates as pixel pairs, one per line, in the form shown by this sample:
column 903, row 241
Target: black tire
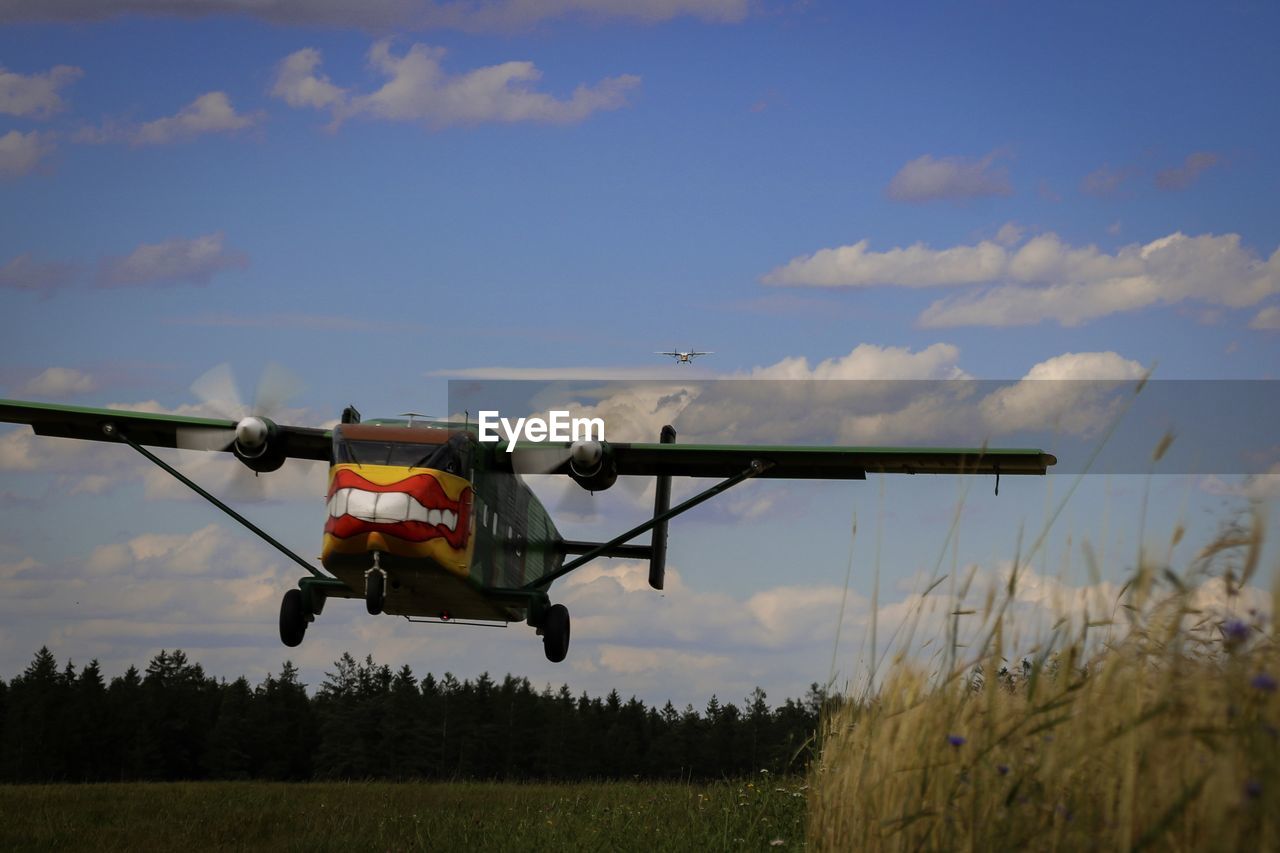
column 293, row 619
column 555, row 633
column 375, row 592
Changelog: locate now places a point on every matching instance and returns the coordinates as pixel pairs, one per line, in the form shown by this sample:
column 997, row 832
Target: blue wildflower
column 1002, row 769
column 956, row 740
column 1234, row 632
column 1264, row 681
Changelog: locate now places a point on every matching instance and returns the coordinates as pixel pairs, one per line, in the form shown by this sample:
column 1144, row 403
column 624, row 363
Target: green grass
column 753, row 814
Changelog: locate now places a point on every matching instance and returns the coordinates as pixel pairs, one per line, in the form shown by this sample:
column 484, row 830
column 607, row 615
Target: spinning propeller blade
column 218, row 391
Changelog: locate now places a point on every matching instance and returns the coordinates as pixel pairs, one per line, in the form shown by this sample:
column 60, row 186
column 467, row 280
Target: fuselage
column 445, row 522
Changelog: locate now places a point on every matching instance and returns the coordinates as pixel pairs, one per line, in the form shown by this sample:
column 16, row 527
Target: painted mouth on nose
column 414, row 509
column 388, row 508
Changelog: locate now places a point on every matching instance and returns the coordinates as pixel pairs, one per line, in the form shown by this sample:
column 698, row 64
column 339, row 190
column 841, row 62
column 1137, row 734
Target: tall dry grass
column 1155, row 726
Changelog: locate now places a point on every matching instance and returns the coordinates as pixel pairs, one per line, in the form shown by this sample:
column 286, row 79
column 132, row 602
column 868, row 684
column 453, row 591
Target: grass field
column 754, row 814
column 1148, row 718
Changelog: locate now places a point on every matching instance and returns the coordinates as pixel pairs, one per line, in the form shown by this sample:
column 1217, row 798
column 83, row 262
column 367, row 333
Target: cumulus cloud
column 212, row 112
column 915, row 266
column 35, row 95
column 298, row 84
column 26, row 273
column 180, row 260
column 20, row 153
column 1042, row 399
column 1181, row 177
column 467, row 15
column 927, row 178
column 59, row 382
column 418, row 89
column 870, row 361
column 1047, row 279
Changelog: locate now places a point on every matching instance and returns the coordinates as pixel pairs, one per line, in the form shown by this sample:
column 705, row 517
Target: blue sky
column 375, row 197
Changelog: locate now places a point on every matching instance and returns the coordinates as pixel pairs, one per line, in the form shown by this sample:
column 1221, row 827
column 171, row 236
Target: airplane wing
column 791, row 462
column 673, row 354
column 150, row 429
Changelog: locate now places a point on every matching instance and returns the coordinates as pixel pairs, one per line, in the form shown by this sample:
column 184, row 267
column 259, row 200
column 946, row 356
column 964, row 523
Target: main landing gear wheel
column 555, row 633
column 375, row 591
column 293, row 618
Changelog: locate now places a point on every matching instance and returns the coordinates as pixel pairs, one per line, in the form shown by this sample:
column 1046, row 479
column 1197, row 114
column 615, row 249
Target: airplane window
column 451, row 457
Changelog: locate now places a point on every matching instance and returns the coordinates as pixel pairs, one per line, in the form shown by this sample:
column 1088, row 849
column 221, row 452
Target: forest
column 366, row 721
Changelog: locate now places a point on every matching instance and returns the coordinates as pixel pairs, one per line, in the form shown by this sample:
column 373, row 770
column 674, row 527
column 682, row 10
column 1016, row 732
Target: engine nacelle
column 258, row 444
column 591, row 465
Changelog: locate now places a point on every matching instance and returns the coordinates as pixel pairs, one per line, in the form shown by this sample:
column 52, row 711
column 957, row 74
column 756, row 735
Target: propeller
column 583, row 457
column 220, row 395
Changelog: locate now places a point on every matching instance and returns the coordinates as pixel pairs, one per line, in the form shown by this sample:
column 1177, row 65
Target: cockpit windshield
column 440, row 449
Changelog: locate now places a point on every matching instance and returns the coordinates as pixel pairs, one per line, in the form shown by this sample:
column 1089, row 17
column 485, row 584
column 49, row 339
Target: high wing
column 790, row 462
column 673, row 354
column 152, row 429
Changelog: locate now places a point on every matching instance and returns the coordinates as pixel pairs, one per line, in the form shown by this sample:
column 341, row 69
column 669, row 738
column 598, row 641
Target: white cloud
column 1046, row 279
column 24, row 272
column 1078, row 408
column 1087, row 365
column 914, row 266
column 35, row 95
column 59, row 382
column 180, row 260
column 298, row 84
column 869, row 361
column 949, row 178
column 212, row 112
column 23, row 450
column 419, row 90
column 20, row 153
column 467, row 15
column 1181, row 177
column 1268, row 318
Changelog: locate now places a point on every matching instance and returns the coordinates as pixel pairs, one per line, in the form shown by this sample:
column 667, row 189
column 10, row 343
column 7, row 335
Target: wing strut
column 112, row 431
column 661, row 503
column 757, row 466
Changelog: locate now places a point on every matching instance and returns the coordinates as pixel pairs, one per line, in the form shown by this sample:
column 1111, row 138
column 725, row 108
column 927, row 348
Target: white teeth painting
column 387, row 508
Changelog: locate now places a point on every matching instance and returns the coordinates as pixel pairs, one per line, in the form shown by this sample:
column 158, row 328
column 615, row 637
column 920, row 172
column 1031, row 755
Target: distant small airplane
column 684, row 357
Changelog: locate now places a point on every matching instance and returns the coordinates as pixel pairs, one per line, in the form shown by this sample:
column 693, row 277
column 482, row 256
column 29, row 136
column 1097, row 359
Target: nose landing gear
column 375, row 587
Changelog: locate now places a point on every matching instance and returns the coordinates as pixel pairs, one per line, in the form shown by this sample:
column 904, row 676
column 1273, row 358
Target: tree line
column 172, row 721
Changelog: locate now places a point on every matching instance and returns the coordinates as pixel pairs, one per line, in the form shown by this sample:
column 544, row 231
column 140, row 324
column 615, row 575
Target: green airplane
column 426, row 521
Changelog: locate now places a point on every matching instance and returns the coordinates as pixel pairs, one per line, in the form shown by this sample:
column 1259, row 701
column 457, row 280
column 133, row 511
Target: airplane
column 424, row 521
column 684, row 357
